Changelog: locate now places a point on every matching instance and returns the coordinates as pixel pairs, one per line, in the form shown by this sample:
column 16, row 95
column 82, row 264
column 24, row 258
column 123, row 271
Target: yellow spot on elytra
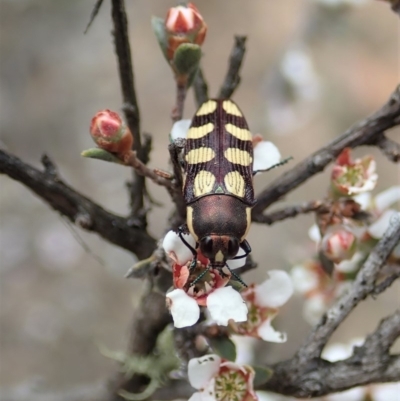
column 207, row 108
column 241, row 133
column 203, row 183
column 219, row 257
column 231, row 108
column 189, row 222
column 199, row 132
column 238, row 156
column 248, row 220
column 200, row 155
column 235, row 184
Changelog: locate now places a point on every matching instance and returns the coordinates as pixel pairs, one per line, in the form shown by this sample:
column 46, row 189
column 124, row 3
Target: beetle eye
column 233, row 247
column 206, row 247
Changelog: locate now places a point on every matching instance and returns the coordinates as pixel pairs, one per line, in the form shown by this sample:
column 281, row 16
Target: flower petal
column 387, row 198
column 268, row 333
column 314, row 233
column 202, row 370
column 354, row 394
column 184, row 309
column 236, row 263
column 364, row 200
column 275, row 291
column 266, row 154
column 176, row 249
column 385, row 392
column 304, row 279
column 180, row 129
column 314, row 308
column 378, row 228
column 336, row 352
column 224, row 304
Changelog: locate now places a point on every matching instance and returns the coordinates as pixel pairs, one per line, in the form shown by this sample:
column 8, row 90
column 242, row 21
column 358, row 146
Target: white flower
column 387, row 198
column 304, row 279
column 265, row 154
column 350, row 266
column 314, row 233
column 180, row 129
column 378, row 228
column 262, row 302
column 275, row 291
column 223, row 305
column 220, row 380
column 314, row 307
column 385, row 392
column 176, row 249
column 184, row 309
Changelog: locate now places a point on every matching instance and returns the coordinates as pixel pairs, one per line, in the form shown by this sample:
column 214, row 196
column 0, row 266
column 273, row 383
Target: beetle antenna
column 281, row 163
column 237, row 277
column 199, row 277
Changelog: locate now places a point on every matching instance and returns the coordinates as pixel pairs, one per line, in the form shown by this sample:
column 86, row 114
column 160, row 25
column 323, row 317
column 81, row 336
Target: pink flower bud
column 110, row 133
column 353, row 177
column 338, row 244
column 184, row 24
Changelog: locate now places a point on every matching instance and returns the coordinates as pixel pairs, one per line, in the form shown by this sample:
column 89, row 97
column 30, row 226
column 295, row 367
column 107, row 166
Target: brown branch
column 200, row 88
column 289, row 212
column 130, row 106
column 389, row 148
column 76, row 207
column 232, row 78
column 365, row 133
column 177, row 112
column 369, row 364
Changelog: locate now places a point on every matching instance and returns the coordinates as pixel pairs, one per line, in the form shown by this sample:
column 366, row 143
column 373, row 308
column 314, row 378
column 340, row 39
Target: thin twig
column 366, row 132
column 130, row 106
column 93, row 14
column 200, row 88
column 177, row 112
column 289, row 212
column 232, row 78
column 76, row 207
column 389, row 148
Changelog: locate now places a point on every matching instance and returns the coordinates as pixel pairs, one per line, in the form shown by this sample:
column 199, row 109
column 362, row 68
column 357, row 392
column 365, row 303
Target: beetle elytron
column 218, row 181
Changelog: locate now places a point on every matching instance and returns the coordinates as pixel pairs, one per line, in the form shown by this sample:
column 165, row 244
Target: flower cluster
column 345, row 233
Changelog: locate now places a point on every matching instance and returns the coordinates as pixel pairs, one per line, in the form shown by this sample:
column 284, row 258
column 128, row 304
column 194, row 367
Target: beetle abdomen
column 219, row 153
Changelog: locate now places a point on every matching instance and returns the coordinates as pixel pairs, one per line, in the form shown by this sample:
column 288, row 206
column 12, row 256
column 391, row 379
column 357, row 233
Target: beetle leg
column 247, row 249
column 181, row 231
column 281, row 163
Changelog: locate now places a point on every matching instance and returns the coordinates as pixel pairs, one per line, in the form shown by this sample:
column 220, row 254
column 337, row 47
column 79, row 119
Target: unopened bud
column 110, row 133
column 339, row 244
column 184, row 24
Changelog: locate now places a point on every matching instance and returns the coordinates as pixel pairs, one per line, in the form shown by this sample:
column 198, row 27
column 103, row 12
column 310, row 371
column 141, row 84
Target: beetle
column 217, row 185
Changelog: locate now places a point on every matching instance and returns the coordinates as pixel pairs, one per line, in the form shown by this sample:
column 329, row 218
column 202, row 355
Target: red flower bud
column 338, row 244
column 184, row 24
column 110, row 133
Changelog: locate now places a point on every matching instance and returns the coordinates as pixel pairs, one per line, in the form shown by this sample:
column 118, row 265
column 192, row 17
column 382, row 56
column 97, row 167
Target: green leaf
column 187, row 58
column 224, row 347
column 101, row 154
column 158, row 26
column 262, row 375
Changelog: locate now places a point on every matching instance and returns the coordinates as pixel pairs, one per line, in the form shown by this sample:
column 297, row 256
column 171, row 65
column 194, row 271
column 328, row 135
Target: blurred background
column 311, row 70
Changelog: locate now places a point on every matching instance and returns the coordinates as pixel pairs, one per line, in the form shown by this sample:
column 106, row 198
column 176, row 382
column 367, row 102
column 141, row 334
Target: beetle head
column 219, row 248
